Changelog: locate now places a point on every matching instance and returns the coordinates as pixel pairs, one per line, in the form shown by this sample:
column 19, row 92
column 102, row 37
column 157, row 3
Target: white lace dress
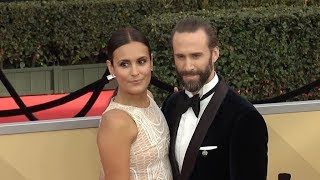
column 149, row 159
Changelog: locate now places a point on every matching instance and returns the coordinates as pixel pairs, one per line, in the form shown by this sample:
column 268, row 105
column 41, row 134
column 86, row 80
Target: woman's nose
column 134, row 70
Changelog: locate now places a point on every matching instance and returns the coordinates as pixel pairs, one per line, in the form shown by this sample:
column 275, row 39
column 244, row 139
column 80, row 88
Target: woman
column 133, row 137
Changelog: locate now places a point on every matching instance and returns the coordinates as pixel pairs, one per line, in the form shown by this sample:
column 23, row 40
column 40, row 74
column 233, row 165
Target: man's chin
column 190, row 82
column 191, row 87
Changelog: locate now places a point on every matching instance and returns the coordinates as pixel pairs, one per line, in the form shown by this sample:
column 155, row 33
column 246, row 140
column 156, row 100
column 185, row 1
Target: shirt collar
column 207, row 87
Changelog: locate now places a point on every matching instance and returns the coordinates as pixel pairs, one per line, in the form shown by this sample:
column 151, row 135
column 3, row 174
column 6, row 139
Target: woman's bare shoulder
column 116, row 120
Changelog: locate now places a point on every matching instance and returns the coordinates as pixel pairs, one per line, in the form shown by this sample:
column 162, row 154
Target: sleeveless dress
column 149, row 153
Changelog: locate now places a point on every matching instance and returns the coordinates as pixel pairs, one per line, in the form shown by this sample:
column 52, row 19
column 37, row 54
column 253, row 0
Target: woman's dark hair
column 124, row 36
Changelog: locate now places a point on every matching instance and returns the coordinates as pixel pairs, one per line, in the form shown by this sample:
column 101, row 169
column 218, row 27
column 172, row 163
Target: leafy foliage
column 265, row 52
column 66, row 32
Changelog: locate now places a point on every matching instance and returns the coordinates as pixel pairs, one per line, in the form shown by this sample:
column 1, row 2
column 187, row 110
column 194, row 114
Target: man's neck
column 211, row 77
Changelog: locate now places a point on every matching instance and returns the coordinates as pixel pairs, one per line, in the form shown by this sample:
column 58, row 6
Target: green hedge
column 228, row 4
column 213, row 4
column 265, row 52
column 75, row 32
column 42, row 33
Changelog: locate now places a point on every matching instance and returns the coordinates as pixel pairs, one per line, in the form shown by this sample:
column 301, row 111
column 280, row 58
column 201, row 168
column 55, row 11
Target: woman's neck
column 137, row 100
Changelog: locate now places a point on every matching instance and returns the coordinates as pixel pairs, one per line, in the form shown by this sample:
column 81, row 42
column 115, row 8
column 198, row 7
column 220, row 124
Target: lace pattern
column 149, row 158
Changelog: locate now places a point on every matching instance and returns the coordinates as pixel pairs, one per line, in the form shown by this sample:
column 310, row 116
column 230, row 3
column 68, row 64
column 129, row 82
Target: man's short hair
column 193, row 24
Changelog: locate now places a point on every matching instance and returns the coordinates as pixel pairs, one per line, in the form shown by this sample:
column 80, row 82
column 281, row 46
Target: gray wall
column 55, row 79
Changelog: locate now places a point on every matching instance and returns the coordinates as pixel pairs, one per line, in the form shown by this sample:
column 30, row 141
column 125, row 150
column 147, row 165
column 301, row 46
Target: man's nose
column 188, row 66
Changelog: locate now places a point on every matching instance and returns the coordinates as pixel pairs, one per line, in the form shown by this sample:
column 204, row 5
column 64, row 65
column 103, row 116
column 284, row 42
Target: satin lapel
column 202, row 128
column 176, row 117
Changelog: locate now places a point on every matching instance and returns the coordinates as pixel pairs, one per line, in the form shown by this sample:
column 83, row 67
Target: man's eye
column 196, row 56
column 179, row 57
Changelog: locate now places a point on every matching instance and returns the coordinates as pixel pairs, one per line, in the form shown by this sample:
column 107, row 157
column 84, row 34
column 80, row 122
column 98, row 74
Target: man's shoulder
column 234, row 99
column 236, row 105
column 170, row 100
column 173, row 96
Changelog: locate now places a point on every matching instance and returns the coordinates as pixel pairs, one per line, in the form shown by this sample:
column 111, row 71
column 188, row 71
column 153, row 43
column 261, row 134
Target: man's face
column 193, row 59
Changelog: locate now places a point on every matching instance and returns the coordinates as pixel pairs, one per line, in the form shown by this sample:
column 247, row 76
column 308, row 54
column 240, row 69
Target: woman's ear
column 110, row 67
column 151, row 61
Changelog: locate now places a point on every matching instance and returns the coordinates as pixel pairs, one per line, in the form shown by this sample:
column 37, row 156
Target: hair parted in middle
column 125, row 36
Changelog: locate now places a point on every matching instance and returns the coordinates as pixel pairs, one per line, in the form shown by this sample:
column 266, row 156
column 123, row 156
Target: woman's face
column 132, row 67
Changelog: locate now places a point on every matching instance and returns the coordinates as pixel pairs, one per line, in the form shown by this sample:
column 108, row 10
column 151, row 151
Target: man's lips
column 189, row 77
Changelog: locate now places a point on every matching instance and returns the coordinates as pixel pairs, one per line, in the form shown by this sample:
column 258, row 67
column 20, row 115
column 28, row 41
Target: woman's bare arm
column 116, row 133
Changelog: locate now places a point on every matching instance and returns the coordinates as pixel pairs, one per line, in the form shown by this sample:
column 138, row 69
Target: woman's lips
column 138, row 81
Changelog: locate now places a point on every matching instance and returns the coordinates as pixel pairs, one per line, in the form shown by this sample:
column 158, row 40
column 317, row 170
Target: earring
column 111, row 76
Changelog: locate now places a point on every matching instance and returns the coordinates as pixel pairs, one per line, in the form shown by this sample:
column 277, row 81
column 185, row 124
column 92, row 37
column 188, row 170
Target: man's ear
column 110, row 67
column 215, row 54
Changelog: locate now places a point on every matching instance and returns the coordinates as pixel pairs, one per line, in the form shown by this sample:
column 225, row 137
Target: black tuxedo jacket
column 233, row 125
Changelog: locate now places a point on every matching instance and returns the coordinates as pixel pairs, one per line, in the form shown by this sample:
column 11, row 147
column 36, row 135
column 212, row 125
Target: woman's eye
column 142, row 61
column 124, row 64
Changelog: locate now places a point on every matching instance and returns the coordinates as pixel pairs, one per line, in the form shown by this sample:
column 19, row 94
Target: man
column 223, row 137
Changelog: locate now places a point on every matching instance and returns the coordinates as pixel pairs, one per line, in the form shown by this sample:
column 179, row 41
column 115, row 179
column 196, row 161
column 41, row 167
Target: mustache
column 187, row 73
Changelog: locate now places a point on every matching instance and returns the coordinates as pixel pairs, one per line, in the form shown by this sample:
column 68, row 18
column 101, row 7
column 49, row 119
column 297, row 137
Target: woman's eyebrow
column 124, row 60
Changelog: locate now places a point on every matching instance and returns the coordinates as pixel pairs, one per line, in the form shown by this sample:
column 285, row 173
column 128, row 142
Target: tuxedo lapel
column 202, row 128
column 176, row 117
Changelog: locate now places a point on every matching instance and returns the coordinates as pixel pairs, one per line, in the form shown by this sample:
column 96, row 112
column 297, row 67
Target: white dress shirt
column 189, row 122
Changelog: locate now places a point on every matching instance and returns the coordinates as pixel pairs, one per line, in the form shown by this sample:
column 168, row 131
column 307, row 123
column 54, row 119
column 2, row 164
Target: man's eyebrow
column 197, row 53
column 178, row 54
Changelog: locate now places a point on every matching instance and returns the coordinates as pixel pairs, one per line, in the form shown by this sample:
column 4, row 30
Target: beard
column 196, row 85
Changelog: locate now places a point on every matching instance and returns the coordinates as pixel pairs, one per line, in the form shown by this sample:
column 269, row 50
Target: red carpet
column 67, row 110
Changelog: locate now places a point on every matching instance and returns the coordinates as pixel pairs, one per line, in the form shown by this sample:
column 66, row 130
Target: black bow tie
column 194, row 101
